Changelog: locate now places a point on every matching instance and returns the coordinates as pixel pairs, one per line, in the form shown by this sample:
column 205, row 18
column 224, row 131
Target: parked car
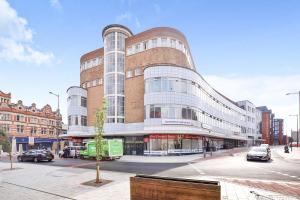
column 73, row 151
column 36, row 156
column 259, row 153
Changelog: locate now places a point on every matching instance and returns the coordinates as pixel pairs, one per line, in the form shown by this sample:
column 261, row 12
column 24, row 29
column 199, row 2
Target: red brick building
column 278, row 131
column 267, row 125
column 29, row 125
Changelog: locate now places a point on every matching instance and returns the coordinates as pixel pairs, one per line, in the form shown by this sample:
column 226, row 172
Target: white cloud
column 128, row 16
column 262, row 90
column 56, row 4
column 16, row 38
column 124, row 16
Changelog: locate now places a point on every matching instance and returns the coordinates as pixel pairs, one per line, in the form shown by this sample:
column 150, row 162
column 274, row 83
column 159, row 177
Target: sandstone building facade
column 157, row 102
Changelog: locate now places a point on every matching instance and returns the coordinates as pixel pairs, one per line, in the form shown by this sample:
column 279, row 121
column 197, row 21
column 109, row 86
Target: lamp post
column 297, row 127
column 57, row 127
column 297, row 93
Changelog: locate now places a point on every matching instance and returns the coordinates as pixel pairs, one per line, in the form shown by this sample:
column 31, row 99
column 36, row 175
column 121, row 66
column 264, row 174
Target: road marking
column 195, row 168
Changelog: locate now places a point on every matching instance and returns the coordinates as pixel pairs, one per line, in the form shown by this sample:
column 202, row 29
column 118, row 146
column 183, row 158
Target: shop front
column 172, row 144
column 44, row 143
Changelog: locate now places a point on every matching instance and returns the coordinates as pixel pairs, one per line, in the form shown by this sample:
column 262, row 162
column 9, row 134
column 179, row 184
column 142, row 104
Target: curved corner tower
column 114, row 70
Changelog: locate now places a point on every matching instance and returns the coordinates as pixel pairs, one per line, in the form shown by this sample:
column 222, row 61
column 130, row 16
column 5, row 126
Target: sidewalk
column 52, row 183
column 181, row 158
column 294, row 155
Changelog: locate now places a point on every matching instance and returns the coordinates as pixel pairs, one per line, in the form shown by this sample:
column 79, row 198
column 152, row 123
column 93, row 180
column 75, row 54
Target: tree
column 6, row 145
column 99, row 130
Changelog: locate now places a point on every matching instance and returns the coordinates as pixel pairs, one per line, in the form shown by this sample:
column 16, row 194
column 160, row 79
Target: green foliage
column 99, row 129
column 4, row 141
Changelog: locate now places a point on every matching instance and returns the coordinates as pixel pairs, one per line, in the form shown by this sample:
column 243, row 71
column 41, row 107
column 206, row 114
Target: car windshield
column 259, row 149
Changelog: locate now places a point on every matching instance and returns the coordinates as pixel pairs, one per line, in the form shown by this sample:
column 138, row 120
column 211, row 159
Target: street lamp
column 57, row 129
column 297, row 127
column 297, row 93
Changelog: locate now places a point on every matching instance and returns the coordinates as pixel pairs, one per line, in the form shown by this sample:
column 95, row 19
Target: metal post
column 298, row 122
column 57, row 125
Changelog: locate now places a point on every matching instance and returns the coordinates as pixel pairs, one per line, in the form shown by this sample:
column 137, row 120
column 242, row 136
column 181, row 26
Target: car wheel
column 49, row 160
column 35, row 160
column 20, row 159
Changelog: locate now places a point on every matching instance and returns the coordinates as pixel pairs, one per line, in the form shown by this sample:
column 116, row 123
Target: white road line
column 294, row 176
column 285, row 174
column 195, row 168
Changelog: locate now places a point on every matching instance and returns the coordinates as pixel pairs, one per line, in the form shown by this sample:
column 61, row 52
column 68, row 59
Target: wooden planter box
column 144, row 187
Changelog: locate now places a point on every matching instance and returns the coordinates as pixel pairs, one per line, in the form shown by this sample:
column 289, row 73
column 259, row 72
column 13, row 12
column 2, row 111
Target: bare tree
column 6, row 145
column 99, row 129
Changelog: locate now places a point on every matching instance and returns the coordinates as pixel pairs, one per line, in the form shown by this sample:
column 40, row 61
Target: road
column 278, row 169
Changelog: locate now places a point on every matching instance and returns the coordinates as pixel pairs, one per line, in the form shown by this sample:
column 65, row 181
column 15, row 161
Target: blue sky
column 254, row 45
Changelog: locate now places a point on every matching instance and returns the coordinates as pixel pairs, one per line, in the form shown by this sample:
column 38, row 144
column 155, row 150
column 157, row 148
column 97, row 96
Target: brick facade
column 28, row 121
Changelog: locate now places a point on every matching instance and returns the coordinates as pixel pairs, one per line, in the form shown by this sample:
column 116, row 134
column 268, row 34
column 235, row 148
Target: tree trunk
column 98, row 180
column 10, row 158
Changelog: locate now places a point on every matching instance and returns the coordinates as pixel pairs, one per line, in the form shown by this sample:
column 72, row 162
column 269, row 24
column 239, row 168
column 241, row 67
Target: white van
column 74, row 151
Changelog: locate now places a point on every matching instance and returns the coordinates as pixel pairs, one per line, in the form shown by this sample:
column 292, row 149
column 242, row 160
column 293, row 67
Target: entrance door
column 134, row 149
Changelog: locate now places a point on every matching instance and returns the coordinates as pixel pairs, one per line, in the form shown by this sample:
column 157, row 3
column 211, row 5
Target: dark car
column 36, row 156
column 259, row 153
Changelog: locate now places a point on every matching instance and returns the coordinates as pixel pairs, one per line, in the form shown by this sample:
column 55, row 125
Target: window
column 33, row 130
column 4, row 127
column 110, row 62
column 43, row 131
column 76, row 119
column 20, row 128
column 20, row 118
column 173, row 43
column 83, row 102
column 121, row 41
column 154, row 42
column 137, row 48
column 129, row 74
column 129, row 51
column 120, row 84
column 110, row 86
column 110, row 42
column 145, row 45
column 5, row 117
column 138, row 71
column 155, row 111
column 120, row 62
column 120, row 104
column 83, row 121
column 163, row 42
column 111, row 106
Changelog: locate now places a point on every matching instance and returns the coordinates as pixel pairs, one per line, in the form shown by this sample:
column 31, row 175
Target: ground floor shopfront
column 26, row 143
column 168, row 144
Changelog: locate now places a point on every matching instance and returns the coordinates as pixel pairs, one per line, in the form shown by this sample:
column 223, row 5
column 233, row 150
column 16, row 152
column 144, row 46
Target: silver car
column 259, row 153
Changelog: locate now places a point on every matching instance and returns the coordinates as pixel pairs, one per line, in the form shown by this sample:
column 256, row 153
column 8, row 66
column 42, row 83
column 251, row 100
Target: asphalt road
column 237, row 166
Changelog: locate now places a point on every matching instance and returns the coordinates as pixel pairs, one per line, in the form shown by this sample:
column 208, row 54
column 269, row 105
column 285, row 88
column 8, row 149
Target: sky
column 244, row 49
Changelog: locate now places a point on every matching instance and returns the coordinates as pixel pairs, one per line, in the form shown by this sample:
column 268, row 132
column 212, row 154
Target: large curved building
column 157, row 102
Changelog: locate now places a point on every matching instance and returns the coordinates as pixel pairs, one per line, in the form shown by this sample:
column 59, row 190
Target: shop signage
column 173, row 136
column 44, row 140
column 176, row 122
column 31, row 140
